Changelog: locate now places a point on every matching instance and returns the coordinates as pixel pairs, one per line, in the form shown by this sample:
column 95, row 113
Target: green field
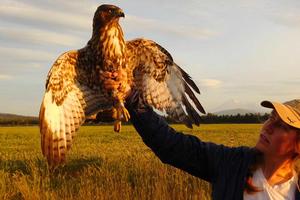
column 104, row 165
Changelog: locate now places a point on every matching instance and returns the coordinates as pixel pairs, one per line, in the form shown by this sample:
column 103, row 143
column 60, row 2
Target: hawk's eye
column 109, row 10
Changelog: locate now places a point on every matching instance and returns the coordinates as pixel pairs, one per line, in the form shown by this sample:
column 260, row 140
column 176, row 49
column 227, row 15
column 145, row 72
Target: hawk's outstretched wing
column 65, row 105
column 162, row 83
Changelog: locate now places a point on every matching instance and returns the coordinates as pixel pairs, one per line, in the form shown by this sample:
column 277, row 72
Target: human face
column 277, row 138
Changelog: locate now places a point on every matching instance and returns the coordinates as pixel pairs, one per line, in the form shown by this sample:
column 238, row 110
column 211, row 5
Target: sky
column 239, row 52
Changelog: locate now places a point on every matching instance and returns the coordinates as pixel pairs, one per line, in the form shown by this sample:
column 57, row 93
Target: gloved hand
column 134, row 102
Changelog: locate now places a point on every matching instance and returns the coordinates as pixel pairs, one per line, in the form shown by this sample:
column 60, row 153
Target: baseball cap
column 288, row 111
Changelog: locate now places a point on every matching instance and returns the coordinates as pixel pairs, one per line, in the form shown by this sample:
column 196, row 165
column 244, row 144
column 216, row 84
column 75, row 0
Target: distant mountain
column 14, row 116
column 7, row 119
column 236, row 111
column 237, row 106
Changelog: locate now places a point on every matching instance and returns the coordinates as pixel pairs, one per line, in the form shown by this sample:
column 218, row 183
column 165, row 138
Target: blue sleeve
column 187, row 152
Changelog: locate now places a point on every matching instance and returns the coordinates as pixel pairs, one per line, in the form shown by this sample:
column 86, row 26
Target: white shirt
column 283, row 191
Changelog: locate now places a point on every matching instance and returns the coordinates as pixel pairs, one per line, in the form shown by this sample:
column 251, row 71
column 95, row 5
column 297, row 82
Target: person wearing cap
column 265, row 171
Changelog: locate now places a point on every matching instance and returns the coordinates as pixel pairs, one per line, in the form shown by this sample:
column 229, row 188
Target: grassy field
column 104, row 165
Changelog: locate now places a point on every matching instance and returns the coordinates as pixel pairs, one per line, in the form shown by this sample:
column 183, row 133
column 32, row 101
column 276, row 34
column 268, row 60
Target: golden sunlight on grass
column 104, row 165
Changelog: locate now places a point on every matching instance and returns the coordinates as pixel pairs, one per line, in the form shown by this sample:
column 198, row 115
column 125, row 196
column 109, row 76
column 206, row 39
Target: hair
column 297, row 160
column 250, row 188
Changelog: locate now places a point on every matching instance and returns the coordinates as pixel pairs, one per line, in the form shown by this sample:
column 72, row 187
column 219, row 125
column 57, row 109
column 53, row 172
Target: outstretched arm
column 186, row 152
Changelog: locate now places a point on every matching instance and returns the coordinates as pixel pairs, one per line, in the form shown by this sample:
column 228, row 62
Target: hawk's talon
column 119, row 113
column 125, row 114
column 114, row 113
column 117, row 126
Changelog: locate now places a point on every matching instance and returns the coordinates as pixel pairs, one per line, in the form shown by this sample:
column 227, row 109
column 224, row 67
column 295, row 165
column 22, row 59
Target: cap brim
column 267, row 104
column 285, row 113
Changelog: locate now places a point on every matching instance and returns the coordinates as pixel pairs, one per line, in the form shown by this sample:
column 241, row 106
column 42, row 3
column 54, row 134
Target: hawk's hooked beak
column 119, row 13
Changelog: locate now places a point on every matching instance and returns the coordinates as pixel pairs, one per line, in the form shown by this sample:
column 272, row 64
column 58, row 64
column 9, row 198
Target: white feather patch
column 57, row 125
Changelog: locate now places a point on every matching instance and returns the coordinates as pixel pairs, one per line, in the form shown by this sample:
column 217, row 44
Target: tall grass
column 104, row 165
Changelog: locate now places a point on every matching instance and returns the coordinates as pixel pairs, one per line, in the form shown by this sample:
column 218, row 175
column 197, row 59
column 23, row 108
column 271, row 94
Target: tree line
column 19, row 121
column 249, row 118
column 205, row 119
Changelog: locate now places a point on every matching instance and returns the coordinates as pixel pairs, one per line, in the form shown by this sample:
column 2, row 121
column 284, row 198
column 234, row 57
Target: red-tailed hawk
column 75, row 86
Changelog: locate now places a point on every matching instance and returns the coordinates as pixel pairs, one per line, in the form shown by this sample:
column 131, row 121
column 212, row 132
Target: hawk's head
column 106, row 14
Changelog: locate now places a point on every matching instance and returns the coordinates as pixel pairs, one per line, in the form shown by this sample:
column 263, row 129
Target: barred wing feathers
column 65, row 105
column 162, row 83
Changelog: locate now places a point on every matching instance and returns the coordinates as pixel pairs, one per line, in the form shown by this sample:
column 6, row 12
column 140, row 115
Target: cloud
column 262, row 89
column 37, row 36
column 134, row 22
column 290, row 19
column 5, row 77
column 29, row 14
column 191, row 32
column 283, row 13
column 210, row 83
column 9, row 54
column 76, row 6
column 70, row 19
